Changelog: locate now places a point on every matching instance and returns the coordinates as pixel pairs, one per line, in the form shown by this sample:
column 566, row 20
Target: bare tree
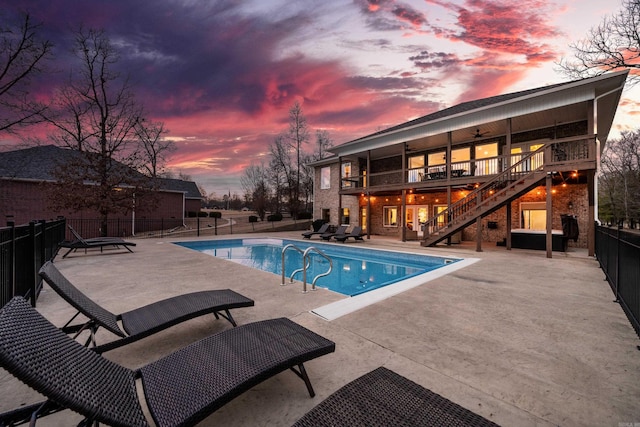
column 281, row 175
column 23, row 56
column 612, row 45
column 255, row 185
column 297, row 136
column 154, row 146
column 98, row 116
column 619, row 184
column 323, row 143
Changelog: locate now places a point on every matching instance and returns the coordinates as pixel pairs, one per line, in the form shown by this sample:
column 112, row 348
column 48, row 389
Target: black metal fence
column 23, row 250
column 198, row 226
column 89, row 228
column 618, row 253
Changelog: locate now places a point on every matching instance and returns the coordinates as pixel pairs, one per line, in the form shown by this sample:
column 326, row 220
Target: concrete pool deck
column 516, row 337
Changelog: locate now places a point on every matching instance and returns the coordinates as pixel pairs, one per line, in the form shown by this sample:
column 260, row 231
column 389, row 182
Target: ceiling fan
column 479, row 134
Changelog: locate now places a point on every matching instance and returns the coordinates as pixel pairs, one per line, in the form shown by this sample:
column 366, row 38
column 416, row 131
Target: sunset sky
column 222, row 75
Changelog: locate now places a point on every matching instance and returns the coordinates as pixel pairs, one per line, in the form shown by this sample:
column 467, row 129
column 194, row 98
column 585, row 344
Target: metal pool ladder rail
column 305, row 265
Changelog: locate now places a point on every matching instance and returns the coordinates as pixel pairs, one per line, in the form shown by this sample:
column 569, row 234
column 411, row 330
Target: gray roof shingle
column 38, row 163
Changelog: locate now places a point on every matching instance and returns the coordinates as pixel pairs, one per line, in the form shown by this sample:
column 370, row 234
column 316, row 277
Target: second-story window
column 325, row 178
column 346, row 175
column 486, row 159
column 416, row 168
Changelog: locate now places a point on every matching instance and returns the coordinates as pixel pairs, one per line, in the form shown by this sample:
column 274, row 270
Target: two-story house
column 508, row 169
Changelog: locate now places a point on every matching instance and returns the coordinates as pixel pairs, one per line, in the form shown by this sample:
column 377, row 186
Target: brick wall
column 25, row 201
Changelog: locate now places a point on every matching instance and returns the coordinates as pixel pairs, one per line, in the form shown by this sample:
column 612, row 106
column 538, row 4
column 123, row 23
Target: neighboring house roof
column 38, row 164
column 34, row 163
column 188, row 187
column 545, row 102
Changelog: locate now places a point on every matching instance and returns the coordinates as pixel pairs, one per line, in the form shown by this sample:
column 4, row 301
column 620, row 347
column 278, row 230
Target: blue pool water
column 355, row 269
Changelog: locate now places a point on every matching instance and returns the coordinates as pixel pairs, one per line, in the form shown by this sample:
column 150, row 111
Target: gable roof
column 190, row 188
column 38, row 164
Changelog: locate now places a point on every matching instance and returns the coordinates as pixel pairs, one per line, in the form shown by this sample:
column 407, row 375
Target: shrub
column 253, row 218
column 305, row 215
column 202, row 214
column 191, row 214
column 215, row 214
column 275, row 217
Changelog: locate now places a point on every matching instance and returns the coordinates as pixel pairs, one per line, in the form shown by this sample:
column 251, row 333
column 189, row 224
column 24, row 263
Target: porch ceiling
column 488, row 131
column 487, row 119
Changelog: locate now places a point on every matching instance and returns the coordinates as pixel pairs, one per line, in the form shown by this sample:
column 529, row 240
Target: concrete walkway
column 516, row 337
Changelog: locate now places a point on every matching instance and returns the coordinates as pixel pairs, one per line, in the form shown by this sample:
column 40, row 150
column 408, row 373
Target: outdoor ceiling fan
column 479, row 134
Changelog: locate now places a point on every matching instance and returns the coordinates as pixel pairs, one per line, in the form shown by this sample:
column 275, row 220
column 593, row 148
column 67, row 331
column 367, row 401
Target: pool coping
column 348, row 305
column 354, row 303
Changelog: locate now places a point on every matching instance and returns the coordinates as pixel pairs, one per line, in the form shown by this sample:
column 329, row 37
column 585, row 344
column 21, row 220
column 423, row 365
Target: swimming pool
column 355, row 270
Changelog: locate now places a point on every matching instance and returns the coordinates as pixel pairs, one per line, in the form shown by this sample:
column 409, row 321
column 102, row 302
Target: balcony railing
column 570, row 152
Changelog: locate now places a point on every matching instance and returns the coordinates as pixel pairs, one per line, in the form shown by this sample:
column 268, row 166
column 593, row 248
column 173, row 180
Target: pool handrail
column 305, row 264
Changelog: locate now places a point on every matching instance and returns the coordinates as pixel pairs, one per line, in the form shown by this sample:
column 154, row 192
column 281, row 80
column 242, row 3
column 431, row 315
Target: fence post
column 13, row 259
column 198, row 226
column 617, row 262
column 32, row 266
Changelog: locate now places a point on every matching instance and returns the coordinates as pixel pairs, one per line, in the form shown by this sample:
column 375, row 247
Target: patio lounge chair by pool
column 143, row 321
column 356, row 233
column 329, row 234
column 384, row 398
column 180, row 389
column 323, row 229
column 96, row 242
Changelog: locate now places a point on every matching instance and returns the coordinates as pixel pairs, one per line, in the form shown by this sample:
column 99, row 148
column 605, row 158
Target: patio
column 518, row 338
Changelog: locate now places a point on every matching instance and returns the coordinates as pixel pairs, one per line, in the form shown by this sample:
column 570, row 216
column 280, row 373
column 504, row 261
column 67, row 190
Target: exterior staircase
column 505, row 187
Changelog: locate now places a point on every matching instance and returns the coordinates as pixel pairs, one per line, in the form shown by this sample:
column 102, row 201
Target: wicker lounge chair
column 384, row 398
column 143, row 321
column 328, row 235
column 323, row 229
column 356, row 233
column 96, row 242
column 180, row 389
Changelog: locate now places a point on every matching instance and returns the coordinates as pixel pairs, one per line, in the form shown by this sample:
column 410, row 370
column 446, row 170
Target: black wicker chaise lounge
column 97, row 242
column 323, row 229
column 356, row 233
column 180, row 389
column 384, row 398
column 143, row 321
column 329, row 234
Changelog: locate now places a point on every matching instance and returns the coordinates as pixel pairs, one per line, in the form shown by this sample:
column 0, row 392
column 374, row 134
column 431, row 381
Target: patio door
column 416, row 216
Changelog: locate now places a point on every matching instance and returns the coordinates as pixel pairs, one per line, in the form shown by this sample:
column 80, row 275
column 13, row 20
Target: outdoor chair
column 95, row 242
column 356, row 233
column 180, row 389
column 384, row 398
column 323, row 229
column 143, row 321
column 328, row 235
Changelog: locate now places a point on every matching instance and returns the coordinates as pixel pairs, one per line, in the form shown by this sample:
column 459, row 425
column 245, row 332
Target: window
column 346, row 175
column 435, row 159
column 325, row 178
column 416, row 168
column 326, row 215
column 460, row 161
column 363, row 219
column 437, row 212
column 345, row 216
column 390, row 216
column 534, row 216
column 486, row 159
